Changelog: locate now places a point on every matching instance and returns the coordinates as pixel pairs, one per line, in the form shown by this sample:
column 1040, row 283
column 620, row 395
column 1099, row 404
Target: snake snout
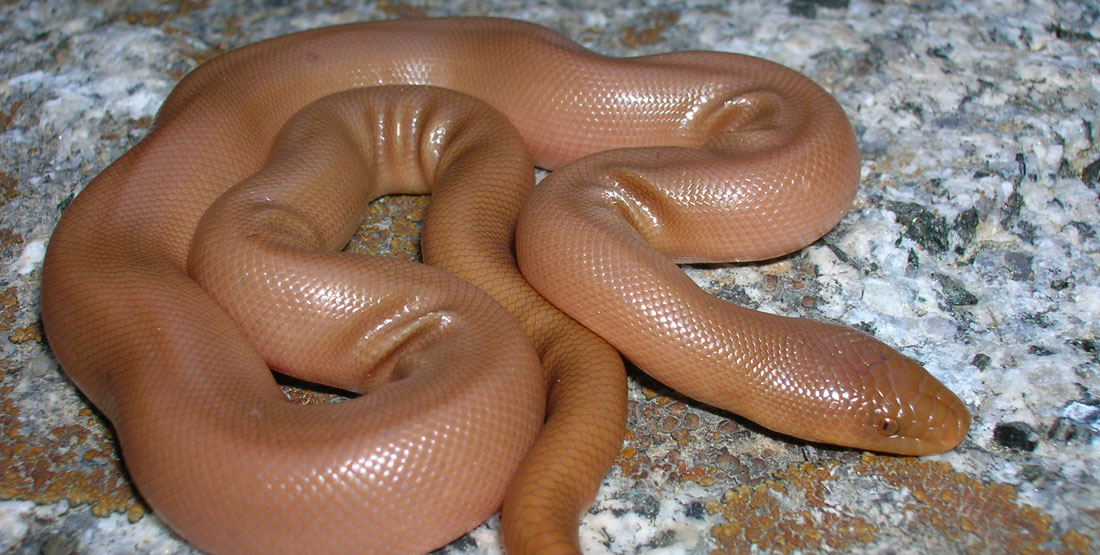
column 940, row 418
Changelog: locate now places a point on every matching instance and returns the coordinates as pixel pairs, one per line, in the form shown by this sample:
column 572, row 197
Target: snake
column 490, row 378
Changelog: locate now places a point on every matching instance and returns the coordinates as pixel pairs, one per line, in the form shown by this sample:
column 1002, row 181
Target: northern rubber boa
column 207, row 255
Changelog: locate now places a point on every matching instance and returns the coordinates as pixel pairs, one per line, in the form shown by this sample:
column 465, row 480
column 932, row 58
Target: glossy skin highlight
column 206, row 255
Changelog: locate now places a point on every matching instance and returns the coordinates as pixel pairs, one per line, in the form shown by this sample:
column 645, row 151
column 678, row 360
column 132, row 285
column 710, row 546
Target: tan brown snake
column 208, row 254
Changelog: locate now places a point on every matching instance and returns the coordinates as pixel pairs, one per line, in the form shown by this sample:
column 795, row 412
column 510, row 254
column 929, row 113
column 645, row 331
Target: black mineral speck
column 808, row 8
column 642, row 504
column 925, row 227
column 1038, row 318
column 1016, row 435
column 50, row 542
column 1059, row 284
column 1065, row 430
column 966, row 224
column 1087, row 345
column 954, row 292
column 942, row 52
column 1091, row 174
column 1037, row 475
column 696, row 510
column 981, row 361
column 1068, row 34
column 1019, row 265
column 1083, row 229
column 1013, row 205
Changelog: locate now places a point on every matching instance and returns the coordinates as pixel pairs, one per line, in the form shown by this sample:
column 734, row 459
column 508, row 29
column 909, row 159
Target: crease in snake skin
column 209, row 254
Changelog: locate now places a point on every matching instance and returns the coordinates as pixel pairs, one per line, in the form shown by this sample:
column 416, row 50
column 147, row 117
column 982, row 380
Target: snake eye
column 886, row 426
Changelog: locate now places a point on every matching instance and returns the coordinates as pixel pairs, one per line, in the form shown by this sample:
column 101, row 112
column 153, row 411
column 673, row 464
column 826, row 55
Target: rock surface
column 972, row 246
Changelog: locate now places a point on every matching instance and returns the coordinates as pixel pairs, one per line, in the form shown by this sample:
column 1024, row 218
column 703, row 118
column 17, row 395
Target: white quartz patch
column 31, row 257
column 15, row 519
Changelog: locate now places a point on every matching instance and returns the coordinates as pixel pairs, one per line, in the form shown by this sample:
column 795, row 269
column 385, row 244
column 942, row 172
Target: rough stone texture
column 972, row 246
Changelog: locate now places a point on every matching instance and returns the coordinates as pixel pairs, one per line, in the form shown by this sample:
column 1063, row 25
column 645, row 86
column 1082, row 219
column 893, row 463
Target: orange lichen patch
column 635, row 466
column 757, row 517
column 632, row 36
column 8, row 188
column 631, row 461
column 700, row 474
column 810, row 479
column 136, row 512
column 672, row 442
column 157, row 18
column 9, row 238
column 6, row 118
column 8, row 299
column 392, row 227
column 9, row 304
column 142, row 122
column 76, row 463
column 30, row 332
column 401, row 9
column 147, row 18
column 980, row 517
column 794, row 511
column 233, row 26
column 1076, row 542
column 656, row 402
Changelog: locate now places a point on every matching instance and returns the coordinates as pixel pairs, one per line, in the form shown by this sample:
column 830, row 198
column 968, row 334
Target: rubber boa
column 209, row 254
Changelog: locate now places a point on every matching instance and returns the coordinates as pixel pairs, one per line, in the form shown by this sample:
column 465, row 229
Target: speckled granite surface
column 972, row 246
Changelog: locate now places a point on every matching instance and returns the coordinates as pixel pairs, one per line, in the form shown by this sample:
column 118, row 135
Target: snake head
column 888, row 402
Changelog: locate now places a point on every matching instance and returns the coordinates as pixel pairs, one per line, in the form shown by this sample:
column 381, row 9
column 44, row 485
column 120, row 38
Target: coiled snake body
column 209, row 253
